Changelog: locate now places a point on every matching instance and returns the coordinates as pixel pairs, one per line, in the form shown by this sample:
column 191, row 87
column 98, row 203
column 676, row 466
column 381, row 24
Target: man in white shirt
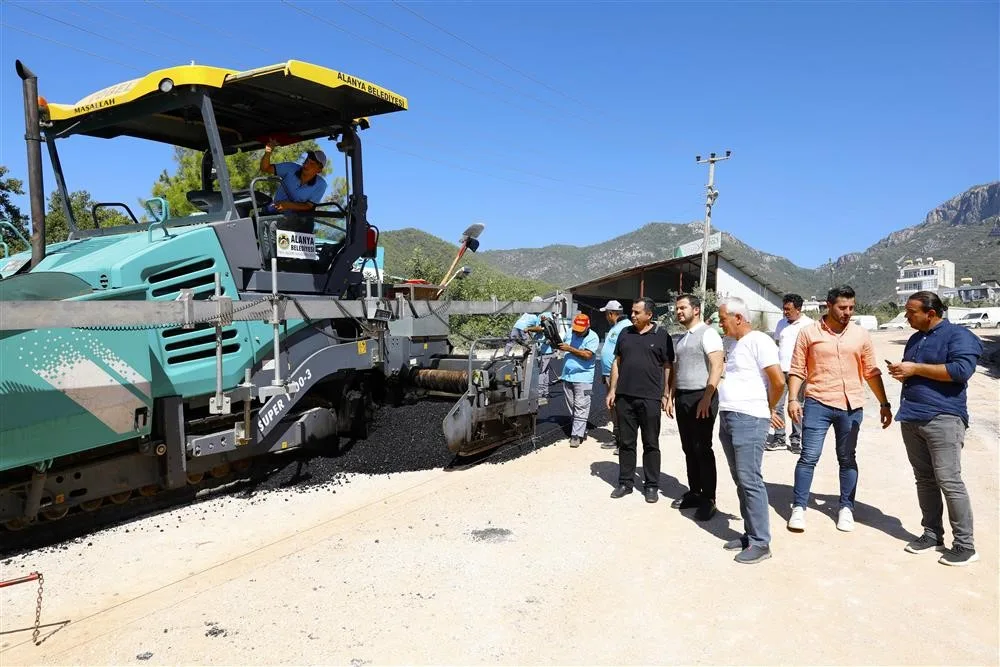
column 785, row 335
column 698, row 361
column 748, row 397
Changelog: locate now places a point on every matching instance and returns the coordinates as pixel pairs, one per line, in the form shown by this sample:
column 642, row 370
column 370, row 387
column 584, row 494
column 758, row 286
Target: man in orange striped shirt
column 835, row 358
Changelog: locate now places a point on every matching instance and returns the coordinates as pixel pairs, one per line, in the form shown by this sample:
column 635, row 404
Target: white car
column 894, row 326
column 980, row 319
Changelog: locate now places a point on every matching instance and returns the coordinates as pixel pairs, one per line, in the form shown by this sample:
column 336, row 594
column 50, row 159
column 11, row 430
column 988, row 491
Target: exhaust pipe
column 33, row 137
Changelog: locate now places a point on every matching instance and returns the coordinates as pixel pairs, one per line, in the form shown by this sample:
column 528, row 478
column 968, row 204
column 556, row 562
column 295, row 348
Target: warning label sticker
column 296, row 245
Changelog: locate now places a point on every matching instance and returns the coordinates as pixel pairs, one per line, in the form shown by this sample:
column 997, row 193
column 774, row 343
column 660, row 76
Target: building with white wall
column 923, row 274
column 727, row 276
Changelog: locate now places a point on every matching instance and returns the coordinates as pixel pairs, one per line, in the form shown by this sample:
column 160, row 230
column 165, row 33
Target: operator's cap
column 613, row 306
column 581, row 323
column 536, row 299
column 317, row 155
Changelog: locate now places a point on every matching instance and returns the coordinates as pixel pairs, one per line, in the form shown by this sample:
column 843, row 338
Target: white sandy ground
column 392, row 570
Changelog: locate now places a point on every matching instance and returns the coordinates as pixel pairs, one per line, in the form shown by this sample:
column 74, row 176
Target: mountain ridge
column 957, row 229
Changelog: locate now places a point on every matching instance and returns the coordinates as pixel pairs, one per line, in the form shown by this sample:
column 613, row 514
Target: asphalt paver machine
column 156, row 354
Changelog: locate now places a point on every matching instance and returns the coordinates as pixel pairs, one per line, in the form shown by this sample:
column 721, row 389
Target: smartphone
column 888, row 362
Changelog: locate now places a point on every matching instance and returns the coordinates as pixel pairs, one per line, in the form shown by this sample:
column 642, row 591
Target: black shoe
column 687, row 501
column 609, row 445
column 615, row 452
column 621, row 491
column 795, row 448
column 925, row 544
column 652, row 495
column 705, row 511
column 753, row 554
column 739, row 544
column 959, row 556
column 774, row 443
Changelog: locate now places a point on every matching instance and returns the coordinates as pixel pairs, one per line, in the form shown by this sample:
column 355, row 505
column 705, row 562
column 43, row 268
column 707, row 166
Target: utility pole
column 710, row 196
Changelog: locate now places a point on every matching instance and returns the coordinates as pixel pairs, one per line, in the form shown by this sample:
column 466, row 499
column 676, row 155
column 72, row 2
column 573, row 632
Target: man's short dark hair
column 793, row 299
column 928, row 301
column 842, row 292
column 647, row 303
column 693, row 300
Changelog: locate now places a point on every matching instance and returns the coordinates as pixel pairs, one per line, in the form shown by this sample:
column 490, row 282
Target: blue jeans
column 742, row 437
column 816, row 421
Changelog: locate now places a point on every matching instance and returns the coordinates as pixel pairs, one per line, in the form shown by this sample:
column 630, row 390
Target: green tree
column 709, row 307
column 482, row 284
column 82, row 203
column 421, row 267
column 9, row 188
column 243, row 167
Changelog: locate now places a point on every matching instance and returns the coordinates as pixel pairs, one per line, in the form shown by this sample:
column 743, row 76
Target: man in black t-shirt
column 644, row 355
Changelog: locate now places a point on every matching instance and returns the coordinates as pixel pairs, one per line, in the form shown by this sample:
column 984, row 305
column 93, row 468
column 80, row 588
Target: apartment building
column 923, row 274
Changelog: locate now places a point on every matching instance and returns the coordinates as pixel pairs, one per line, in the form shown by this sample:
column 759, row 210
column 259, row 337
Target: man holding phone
column 933, row 415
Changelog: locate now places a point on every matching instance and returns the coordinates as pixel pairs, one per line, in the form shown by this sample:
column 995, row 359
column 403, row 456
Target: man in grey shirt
column 698, row 361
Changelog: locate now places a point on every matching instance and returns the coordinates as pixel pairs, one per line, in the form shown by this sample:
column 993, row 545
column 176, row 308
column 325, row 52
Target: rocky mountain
column 957, row 230
column 435, row 255
column 656, row 241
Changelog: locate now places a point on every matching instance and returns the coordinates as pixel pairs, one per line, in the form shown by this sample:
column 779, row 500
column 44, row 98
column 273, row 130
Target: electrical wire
column 416, row 155
column 92, row 5
column 520, row 92
column 480, row 172
column 405, row 58
column 585, row 186
column 475, row 48
column 71, row 47
column 241, row 39
column 87, row 30
column 398, row 150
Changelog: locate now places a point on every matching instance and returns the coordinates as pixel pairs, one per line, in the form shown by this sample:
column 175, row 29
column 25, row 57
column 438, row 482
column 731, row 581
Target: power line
column 391, row 148
column 144, row 26
column 487, row 54
column 89, row 32
column 401, row 56
column 459, row 167
column 585, row 186
column 70, row 46
column 242, row 39
column 458, row 62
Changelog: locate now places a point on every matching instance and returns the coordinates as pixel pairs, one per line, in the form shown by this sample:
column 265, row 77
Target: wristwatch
column 885, row 405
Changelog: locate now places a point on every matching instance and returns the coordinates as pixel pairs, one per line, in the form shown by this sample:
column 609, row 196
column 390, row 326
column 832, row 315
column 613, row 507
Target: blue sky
column 574, row 122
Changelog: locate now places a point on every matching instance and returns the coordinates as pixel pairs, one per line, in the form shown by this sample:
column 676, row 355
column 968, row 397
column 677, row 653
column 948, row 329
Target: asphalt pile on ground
column 400, row 439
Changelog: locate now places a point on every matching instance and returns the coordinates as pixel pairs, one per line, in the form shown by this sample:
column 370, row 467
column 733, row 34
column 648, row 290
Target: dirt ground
column 528, row 562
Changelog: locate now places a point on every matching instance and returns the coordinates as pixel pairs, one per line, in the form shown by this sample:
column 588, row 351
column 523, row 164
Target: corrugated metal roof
column 623, row 273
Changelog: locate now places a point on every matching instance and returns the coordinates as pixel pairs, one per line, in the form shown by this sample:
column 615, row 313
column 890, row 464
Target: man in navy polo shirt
column 937, row 363
column 302, row 186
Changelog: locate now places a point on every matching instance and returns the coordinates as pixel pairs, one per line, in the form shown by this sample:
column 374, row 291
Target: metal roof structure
column 694, row 260
column 291, row 101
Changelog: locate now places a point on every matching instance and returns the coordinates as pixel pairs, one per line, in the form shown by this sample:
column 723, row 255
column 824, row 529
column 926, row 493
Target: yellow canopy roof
column 295, row 100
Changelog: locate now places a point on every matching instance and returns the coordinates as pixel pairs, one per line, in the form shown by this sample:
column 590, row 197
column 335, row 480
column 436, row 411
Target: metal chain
column 38, row 609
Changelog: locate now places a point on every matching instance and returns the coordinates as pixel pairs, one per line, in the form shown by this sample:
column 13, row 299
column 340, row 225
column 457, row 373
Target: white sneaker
column 797, row 523
column 845, row 520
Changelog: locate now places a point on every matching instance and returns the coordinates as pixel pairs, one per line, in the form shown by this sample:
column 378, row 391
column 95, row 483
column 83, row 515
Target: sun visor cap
column 581, row 323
